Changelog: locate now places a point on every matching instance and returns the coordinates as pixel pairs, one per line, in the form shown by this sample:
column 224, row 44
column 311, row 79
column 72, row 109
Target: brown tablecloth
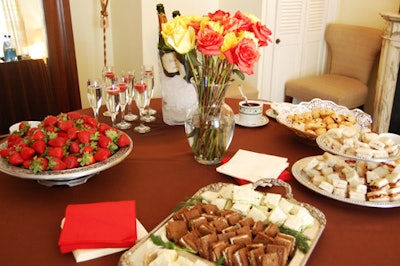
column 161, row 172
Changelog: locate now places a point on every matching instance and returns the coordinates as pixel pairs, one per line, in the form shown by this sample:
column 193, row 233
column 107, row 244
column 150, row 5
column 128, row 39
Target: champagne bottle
column 167, row 55
column 176, row 13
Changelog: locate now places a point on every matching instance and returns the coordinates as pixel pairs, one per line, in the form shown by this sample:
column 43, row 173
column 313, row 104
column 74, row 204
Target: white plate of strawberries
column 63, row 148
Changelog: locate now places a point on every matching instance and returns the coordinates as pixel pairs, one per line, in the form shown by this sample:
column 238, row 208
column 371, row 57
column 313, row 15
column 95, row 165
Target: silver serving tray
column 70, row 177
column 137, row 255
column 362, row 119
column 305, row 181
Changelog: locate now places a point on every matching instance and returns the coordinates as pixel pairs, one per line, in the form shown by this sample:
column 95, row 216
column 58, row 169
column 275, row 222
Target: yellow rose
column 230, row 40
column 247, row 35
column 215, row 26
column 178, row 35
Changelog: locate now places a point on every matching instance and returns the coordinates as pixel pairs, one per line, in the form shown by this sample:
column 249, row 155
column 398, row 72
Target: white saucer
column 262, row 122
column 271, row 113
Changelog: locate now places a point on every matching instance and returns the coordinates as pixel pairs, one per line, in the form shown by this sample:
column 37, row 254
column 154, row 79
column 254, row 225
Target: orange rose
column 262, row 33
column 209, row 42
column 244, row 55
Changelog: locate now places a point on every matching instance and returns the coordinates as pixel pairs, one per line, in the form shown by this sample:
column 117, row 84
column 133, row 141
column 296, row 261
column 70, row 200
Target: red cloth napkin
column 99, row 225
column 284, row 176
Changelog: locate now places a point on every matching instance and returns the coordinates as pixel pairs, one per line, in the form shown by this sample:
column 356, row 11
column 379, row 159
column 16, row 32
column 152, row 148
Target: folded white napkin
column 88, row 254
column 253, row 166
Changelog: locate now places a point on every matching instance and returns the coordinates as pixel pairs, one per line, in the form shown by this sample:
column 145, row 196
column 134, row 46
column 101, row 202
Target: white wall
column 139, row 43
column 88, row 39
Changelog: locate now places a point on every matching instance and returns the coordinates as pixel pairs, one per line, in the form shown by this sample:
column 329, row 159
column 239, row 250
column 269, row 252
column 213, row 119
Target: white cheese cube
column 277, row 216
column 220, row 203
column 327, row 171
column 271, row 200
column 305, row 216
column 227, row 191
column 293, row 222
column 341, row 192
column 332, row 177
column 316, row 180
column 209, row 195
column 326, row 186
column 371, row 176
column 285, row 205
column 340, row 183
column 356, row 195
column 257, row 214
column 381, row 171
column 241, row 207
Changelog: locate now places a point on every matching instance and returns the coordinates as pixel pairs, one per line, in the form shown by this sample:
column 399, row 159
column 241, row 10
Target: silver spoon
column 242, row 93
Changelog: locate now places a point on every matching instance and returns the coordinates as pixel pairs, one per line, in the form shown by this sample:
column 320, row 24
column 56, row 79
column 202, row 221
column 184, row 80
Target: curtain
column 15, row 25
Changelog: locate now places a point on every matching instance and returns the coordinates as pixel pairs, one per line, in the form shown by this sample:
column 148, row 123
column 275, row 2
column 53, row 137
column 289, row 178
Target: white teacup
column 250, row 113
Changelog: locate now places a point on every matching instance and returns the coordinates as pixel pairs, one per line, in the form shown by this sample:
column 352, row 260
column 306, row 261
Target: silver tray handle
column 269, row 182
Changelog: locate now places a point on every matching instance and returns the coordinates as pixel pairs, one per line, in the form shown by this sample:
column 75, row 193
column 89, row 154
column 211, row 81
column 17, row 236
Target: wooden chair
column 353, row 51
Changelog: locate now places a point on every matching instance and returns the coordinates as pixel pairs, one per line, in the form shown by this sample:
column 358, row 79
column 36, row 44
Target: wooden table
column 159, row 173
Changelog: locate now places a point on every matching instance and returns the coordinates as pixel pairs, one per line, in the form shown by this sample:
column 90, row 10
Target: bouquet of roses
column 217, row 45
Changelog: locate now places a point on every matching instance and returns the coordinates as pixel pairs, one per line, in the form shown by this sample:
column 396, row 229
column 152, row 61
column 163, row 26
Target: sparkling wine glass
column 94, row 94
column 123, row 101
column 108, row 76
column 142, row 100
column 148, row 76
column 113, row 101
column 129, row 77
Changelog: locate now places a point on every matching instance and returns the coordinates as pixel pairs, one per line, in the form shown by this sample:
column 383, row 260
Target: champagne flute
column 94, row 94
column 141, row 99
column 148, row 73
column 129, row 76
column 113, row 101
column 108, row 76
column 123, row 100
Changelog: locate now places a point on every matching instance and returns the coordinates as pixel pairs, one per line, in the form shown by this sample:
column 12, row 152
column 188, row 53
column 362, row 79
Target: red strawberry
column 102, row 154
column 38, row 135
column 57, row 142
column 74, row 147
column 84, row 136
column 15, row 158
column 122, row 86
column 39, row 146
column 57, row 152
column 123, row 141
column 104, row 141
column 86, row 159
column 74, row 115
column 110, row 75
column 27, row 152
column 50, row 120
column 88, row 149
column 13, row 139
column 140, row 87
column 72, row 133
column 4, row 153
column 39, row 164
column 71, row 161
column 91, row 121
column 23, row 127
column 27, row 163
column 65, row 125
column 102, row 127
column 56, row 164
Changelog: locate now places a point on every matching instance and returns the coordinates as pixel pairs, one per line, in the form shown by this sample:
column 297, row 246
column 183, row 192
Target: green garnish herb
column 301, row 239
column 190, row 201
column 157, row 240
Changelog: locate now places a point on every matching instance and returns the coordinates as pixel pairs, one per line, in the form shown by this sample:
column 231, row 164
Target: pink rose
column 209, row 42
column 262, row 33
column 219, row 15
column 244, row 55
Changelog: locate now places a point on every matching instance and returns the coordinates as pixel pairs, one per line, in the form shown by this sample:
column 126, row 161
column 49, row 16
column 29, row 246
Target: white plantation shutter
column 299, row 46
